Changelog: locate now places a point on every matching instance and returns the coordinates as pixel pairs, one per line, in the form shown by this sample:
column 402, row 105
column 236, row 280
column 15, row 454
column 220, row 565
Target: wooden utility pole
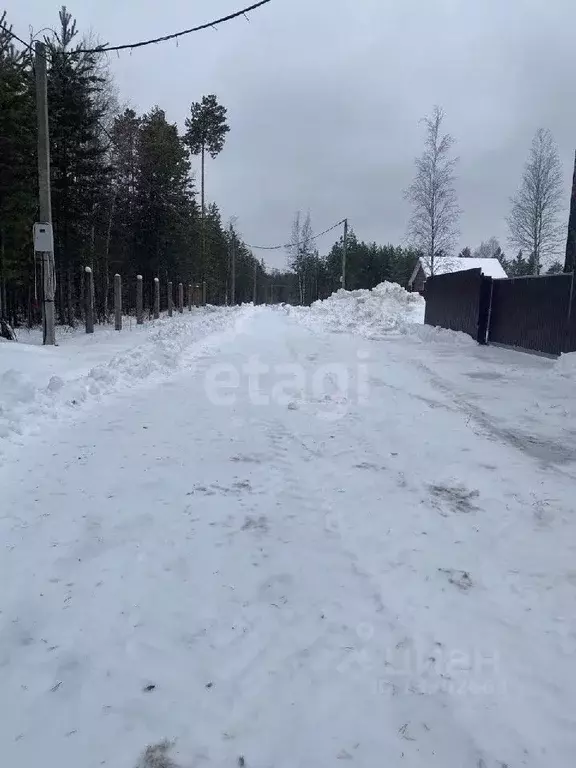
column 89, row 300
column 48, row 270
column 233, row 267
column 170, row 299
column 139, row 300
column 117, row 302
column 156, row 298
column 203, row 233
column 344, row 254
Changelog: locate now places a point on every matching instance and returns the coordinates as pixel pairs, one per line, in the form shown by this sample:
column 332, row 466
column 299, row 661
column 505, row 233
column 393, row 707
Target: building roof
column 444, row 265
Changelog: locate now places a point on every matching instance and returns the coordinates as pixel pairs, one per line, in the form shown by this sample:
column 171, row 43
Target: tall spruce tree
column 165, row 209
column 79, row 157
column 17, row 177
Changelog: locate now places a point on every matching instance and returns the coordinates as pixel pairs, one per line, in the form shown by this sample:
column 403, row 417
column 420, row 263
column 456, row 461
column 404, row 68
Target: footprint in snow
column 460, row 579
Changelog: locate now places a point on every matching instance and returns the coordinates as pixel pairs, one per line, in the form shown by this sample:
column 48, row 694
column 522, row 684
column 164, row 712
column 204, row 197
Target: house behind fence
column 536, row 313
column 444, row 265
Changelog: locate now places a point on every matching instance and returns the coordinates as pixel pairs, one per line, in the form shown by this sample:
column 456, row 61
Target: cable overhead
column 153, row 41
column 14, row 36
column 291, row 245
column 174, row 35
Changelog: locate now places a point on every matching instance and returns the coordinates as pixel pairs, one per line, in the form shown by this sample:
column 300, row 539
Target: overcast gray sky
column 324, row 99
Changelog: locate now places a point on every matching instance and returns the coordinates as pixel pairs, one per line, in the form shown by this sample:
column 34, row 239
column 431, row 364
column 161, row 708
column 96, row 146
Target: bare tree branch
column 533, row 221
column 489, row 249
column 433, row 226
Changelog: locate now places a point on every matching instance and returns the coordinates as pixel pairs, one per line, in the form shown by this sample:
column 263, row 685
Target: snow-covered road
column 301, row 548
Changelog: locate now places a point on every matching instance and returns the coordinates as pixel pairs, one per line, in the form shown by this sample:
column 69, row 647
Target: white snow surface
column 363, row 554
column 369, row 313
column 39, row 383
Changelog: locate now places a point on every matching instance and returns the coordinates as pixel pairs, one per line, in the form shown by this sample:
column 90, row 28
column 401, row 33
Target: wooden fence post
column 189, row 297
column 139, row 300
column 170, row 299
column 117, row 302
column 89, row 300
column 180, row 298
column 156, row 298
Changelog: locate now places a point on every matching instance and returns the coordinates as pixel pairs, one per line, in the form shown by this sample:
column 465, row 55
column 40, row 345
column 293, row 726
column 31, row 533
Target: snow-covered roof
column 444, row 265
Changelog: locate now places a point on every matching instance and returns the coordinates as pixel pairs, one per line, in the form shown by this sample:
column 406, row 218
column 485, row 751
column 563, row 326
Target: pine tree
column 17, row 173
column 518, row 267
column 165, row 218
column 120, row 246
column 218, row 256
column 122, row 193
column 206, row 130
column 79, row 158
column 556, row 268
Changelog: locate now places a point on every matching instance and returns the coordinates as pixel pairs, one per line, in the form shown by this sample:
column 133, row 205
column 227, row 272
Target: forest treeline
column 124, row 198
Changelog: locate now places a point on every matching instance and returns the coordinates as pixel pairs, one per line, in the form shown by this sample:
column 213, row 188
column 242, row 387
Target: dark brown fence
column 531, row 313
column 453, row 301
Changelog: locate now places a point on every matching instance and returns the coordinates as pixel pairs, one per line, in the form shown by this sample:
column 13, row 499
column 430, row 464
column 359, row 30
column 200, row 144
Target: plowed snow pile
column 49, row 383
column 384, row 309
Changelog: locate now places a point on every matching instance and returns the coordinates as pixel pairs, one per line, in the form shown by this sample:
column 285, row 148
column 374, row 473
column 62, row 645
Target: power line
column 174, row 35
column 14, row 36
column 142, row 43
column 290, row 245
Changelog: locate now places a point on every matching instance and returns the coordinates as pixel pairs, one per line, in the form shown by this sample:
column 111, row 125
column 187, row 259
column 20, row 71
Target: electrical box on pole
column 43, row 237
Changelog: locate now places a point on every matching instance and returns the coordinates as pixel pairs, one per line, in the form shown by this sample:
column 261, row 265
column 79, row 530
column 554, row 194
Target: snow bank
column 368, row 313
column 41, row 383
column 566, row 365
column 433, row 333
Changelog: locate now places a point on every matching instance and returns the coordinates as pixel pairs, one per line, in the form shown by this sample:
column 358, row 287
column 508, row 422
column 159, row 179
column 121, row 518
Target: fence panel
column 570, row 342
column 532, row 313
column 453, row 301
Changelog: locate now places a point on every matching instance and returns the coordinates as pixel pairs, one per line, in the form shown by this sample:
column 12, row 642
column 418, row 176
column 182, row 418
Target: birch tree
column 433, row 225
column 533, row 221
column 488, row 249
column 300, row 250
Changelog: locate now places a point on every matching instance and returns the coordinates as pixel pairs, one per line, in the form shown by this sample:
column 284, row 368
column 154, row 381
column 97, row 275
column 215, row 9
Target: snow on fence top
column 444, row 265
